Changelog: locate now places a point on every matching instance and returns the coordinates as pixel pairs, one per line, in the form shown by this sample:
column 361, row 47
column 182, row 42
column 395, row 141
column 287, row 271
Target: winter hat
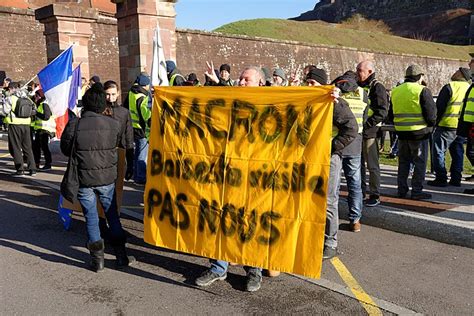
column 225, row 67
column 280, row 73
column 170, row 66
column 319, row 75
column 95, row 79
column 268, row 74
column 143, row 80
column 413, row 71
column 94, row 99
column 466, row 73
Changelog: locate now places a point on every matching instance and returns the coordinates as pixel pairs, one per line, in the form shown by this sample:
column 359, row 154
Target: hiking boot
column 329, row 252
column 254, row 281
column 19, row 173
column 32, row 173
column 209, row 277
column 96, row 250
column 373, row 200
column 437, row 183
column 421, row 196
column 355, row 227
column 455, row 183
column 122, row 260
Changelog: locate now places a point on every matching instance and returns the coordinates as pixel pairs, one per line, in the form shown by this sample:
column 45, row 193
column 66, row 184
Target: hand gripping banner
column 240, row 174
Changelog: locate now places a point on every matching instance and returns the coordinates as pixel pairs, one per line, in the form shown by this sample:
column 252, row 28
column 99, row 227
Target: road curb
column 411, row 223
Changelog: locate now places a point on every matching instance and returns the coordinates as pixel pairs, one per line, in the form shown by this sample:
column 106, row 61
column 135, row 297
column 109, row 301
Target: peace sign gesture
column 210, row 73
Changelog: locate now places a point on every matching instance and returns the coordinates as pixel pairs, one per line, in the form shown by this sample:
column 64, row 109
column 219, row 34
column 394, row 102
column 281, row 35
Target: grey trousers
column 332, row 210
column 370, row 155
column 411, row 152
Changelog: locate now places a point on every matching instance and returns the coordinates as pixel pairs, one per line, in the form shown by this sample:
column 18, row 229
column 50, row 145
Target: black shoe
column 469, row 191
column 392, row 156
column 32, row 173
column 46, row 167
column 421, row 196
column 19, row 173
column 374, row 200
column 401, row 195
column 121, row 258
column 470, row 179
column 96, row 250
column 254, row 281
column 209, row 277
column 437, row 183
column 454, row 183
column 329, row 252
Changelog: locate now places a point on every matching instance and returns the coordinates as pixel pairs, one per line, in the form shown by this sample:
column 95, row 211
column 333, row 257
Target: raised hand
column 210, row 73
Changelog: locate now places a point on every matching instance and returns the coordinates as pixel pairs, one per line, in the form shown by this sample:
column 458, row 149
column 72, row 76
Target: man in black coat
column 91, row 144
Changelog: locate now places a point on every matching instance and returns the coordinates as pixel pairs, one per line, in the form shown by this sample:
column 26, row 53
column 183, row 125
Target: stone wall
column 240, row 51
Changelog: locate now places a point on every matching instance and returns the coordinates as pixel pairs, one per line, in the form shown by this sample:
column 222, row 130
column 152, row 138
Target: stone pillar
column 136, row 23
column 65, row 25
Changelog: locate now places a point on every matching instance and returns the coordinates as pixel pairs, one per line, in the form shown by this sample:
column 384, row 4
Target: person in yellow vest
column 466, row 127
column 344, row 133
column 376, row 114
column 357, row 99
column 137, row 103
column 414, row 115
column 45, row 129
column 174, row 77
column 449, row 103
column 19, row 134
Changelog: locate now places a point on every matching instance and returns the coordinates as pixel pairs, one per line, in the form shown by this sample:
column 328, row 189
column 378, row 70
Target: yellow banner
column 240, row 174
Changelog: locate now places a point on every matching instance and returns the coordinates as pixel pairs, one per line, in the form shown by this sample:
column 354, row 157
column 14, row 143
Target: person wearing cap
column 466, row 126
column 19, row 131
column 137, row 103
column 448, row 104
column 357, row 99
column 344, row 132
column 414, row 115
column 192, row 80
column 220, row 78
column 376, row 114
column 174, row 76
column 279, row 78
column 91, row 142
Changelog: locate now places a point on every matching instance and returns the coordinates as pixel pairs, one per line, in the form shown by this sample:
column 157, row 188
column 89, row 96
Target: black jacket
column 378, row 103
column 95, row 147
column 138, row 133
column 122, row 115
column 345, row 121
column 464, row 127
column 428, row 110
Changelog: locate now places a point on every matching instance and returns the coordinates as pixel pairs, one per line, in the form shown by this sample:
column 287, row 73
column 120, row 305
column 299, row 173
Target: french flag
column 55, row 79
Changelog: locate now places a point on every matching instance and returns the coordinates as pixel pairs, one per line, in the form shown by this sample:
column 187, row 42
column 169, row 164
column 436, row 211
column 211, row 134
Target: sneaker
column 372, row 201
column 46, row 167
column 209, row 277
column 454, row 183
column 329, row 252
column 19, row 173
column 32, row 173
column 254, row 281
column 421, row 196
column 437, row 183
column 355, row 227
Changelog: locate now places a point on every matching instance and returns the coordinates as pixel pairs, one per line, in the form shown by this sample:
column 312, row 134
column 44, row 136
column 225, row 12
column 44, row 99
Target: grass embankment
column 318, row 32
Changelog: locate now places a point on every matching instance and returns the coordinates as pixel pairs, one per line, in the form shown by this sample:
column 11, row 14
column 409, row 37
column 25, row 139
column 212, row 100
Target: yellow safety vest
column 451, row 115
column 407, row 114
column 12, row 119
column 45, row 125
column 357, row 105
column 144, row 110
column 173, row 78
column 469, row 109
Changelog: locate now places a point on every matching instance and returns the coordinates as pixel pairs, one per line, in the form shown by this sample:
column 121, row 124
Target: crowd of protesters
column 361, row 105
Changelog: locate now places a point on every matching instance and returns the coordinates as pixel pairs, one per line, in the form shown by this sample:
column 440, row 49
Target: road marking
column 356, row 289
column 4, row 155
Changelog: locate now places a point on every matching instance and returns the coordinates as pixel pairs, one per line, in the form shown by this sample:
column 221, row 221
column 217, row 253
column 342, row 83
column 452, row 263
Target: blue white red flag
column 55, row 79
column 75, row 88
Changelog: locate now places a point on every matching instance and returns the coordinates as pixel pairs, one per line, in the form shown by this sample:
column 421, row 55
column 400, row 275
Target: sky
column 207, row 15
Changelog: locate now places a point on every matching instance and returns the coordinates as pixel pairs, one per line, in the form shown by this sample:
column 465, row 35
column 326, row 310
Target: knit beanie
column 225, row 67
column 280, row 73
column 319, row 75
column 94, row 99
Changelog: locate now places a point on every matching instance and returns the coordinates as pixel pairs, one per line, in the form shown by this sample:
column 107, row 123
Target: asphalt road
column 43, row 271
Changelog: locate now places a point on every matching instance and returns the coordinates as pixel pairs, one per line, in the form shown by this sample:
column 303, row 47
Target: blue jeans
column 88, row 199
column 444, row 139
column 332, row 208
column 411, row 152
column 351, row 166
column 141, row 155
column 220, row 267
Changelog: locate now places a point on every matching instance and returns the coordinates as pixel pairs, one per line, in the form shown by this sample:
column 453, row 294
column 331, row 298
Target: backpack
column 25, row 108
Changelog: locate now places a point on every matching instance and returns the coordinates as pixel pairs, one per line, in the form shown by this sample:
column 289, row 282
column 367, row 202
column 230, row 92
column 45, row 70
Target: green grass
column 385, row 160
column 318, row 32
